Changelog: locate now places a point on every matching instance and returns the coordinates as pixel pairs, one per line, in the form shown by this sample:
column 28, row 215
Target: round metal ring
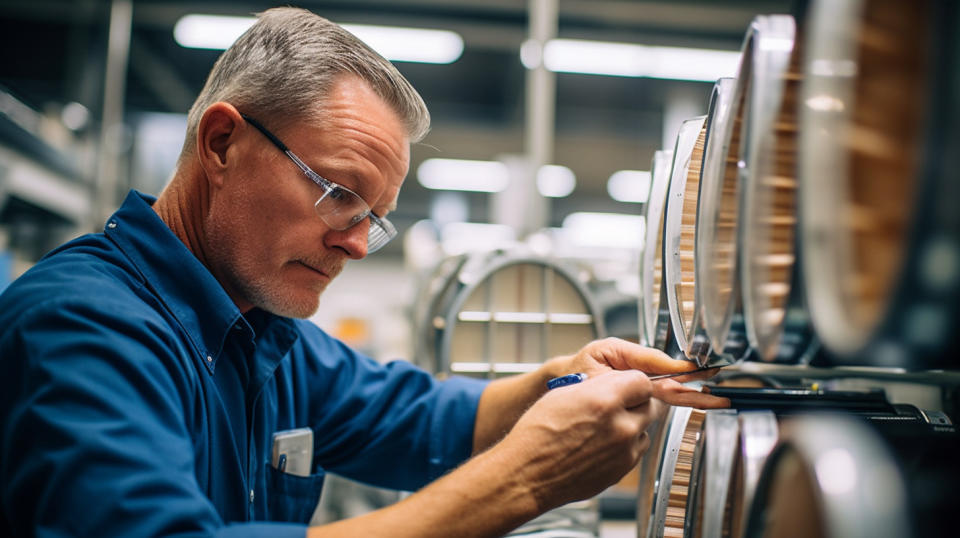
column 880, row 237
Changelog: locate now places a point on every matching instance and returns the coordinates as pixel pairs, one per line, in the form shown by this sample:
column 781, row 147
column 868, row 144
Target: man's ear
column 216, row 132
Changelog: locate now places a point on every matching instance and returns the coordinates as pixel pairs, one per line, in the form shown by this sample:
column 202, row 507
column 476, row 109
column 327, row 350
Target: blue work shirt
column 136, row 400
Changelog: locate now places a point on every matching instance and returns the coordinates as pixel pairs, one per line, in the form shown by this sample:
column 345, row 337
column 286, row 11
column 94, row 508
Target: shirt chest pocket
column 292, row 498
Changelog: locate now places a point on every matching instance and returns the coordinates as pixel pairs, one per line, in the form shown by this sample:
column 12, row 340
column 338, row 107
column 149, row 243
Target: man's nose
column 353, row 240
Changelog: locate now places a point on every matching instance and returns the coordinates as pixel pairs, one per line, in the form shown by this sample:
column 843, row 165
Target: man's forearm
column 504, row 400
column 483, row 497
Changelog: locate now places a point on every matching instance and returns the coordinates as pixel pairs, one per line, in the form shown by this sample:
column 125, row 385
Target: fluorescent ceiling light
column 607, row 230
column 448, row 206
column 629, row 186
column 463, row 175
column 410, row 44
column 631, row 60
column 393, row 43
column 462, row 237
column 555, row 181
column 531, row 54
column 210, row 31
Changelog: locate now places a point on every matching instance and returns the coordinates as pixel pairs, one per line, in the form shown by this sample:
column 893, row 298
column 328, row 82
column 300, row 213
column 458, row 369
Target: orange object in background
column 355, row 332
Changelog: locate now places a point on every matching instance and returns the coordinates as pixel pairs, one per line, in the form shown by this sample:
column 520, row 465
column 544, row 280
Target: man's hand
column 537, row 449
column 506, row 399
column 570, row 444
column 602, row 356
column 577, row 440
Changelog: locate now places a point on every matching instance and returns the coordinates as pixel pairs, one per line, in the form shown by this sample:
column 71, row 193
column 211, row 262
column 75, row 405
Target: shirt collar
column 183, row 284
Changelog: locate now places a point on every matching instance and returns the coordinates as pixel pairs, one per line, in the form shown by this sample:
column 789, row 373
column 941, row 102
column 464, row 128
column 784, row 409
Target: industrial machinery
column 492, row 314
column 812, row 245
column 505, row 312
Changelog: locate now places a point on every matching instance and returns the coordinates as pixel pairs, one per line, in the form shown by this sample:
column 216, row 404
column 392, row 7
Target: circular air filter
column 768, row 41
column 652, row 265
column 677, row 245
column 880, row 237
column 829, row 476
column 775, row 315
column 506, row 314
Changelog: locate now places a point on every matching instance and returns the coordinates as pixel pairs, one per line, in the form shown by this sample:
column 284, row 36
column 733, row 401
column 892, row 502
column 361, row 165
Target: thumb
column 632, row 387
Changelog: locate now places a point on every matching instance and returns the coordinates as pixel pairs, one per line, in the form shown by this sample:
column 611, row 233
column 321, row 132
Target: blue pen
column 564, row 380
column 573, row 379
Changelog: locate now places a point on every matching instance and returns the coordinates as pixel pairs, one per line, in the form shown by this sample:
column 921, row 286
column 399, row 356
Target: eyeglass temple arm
column 276, row 141
column 316, row 178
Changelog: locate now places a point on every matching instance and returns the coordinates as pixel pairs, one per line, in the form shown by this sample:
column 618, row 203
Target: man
column 148, row 368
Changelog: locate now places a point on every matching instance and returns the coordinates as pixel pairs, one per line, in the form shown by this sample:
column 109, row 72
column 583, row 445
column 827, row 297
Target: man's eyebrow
column 345, row 177
column 356, row 179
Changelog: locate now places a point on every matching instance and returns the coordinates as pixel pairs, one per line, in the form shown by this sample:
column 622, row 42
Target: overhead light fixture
column 629, row 186
column 462, row 237
column 605, row 230
column 392, row 42
column 210, row 31
column 531, row 54
column 463, row 175
column 410, row 44
column 632, row 60
column 555, row 181
column 449, row 206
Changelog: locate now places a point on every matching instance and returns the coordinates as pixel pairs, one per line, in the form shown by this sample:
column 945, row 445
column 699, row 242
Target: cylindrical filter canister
column 879, row 224
column 767, row 44
column 651, row 266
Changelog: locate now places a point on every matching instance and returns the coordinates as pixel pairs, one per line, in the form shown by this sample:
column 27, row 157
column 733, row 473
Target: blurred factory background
column 93, row 95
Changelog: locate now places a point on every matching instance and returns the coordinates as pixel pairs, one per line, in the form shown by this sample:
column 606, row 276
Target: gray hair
column 285, row 65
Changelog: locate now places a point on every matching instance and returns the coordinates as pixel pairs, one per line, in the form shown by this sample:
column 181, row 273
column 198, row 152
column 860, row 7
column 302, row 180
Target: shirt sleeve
column 95, row 439
column 391, row 425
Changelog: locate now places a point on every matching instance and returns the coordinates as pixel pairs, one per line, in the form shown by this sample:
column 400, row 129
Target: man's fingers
column 653, row 361
column 644, row 442
column 673, row 393
column 634, row 388
column 648, row 412
column 624, row 355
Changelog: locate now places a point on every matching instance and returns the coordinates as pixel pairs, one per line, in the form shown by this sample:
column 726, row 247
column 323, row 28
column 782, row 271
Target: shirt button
column 111, row 224
column 251, row 495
